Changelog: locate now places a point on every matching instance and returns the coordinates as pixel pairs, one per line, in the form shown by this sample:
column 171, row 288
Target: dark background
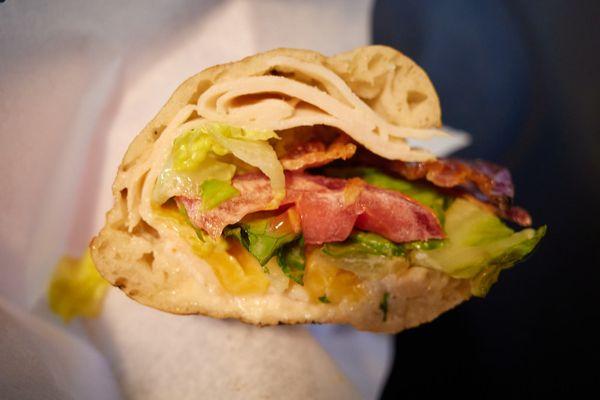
column 523, row 77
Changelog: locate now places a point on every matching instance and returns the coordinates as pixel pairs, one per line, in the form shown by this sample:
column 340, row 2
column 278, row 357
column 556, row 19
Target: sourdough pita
column 154, row 266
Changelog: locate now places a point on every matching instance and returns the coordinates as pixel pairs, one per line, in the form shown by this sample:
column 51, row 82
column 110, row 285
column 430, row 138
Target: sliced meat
column 492, row 180
column 486, row 181
column 315, row 154
column 517, row 215
column 329, row 209
column 396, row 217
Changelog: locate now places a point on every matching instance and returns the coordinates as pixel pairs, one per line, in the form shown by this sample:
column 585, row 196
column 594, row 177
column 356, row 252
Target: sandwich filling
column 311, row 210
column 297, row 181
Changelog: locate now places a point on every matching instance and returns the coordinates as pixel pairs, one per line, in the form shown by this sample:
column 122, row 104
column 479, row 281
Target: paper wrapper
column 77, row 81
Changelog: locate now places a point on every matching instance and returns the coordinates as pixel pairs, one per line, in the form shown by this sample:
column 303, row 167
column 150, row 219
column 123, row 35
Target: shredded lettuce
column 263, row 237
column 368, row 243
column 252, row 147
column 234, row 132
column 197, row 156
column 368, row 254
column 257, row 153
column 191, row 149
column 216, row 191
column 512, row 254
column 364, row 266
column 292, row 260
column 478, row 247
column 189, row 183
column 363, row 243
column 76, row 288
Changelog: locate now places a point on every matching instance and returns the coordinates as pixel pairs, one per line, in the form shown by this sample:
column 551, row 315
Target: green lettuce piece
column 195, row 158
column 252, row 147
column 483, row 281
column 367, row 243
column 260, row 238
column 369, row 255
column 236, row 233
column 421, row 192
column 365, row 254
column 292, row 260
column 191, row 148
column 258, row 153
column 363, row 243
column 478, row 246
column 216, row 191
column 188, row 183
column 423, row 244
column 235, row 132
column 261, row 243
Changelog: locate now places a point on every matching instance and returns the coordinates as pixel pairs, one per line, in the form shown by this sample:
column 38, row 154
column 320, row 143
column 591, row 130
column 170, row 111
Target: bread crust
column 157, row 268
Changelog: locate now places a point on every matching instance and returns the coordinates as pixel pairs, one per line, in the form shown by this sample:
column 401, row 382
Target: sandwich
column 290, row 187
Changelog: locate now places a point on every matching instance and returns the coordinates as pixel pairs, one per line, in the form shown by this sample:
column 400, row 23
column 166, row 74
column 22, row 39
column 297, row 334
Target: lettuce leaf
column 259, row 154
column 191, row 149
column 363, row 243
column 478, row 247
column 197, row 156
column 188, row 183
column 366, row 266
column 367, row 243
column 263, row 237
column 216, row 191
column 292, row 260
column 488, row 275
column 252, row 147
column 366, row 254
column 235, row 132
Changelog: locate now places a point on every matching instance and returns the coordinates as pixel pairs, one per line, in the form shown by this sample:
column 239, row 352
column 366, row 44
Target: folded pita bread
column 375, row 95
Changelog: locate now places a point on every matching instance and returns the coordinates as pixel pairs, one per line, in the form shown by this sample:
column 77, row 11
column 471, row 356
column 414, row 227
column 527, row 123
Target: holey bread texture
column 375, row 95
